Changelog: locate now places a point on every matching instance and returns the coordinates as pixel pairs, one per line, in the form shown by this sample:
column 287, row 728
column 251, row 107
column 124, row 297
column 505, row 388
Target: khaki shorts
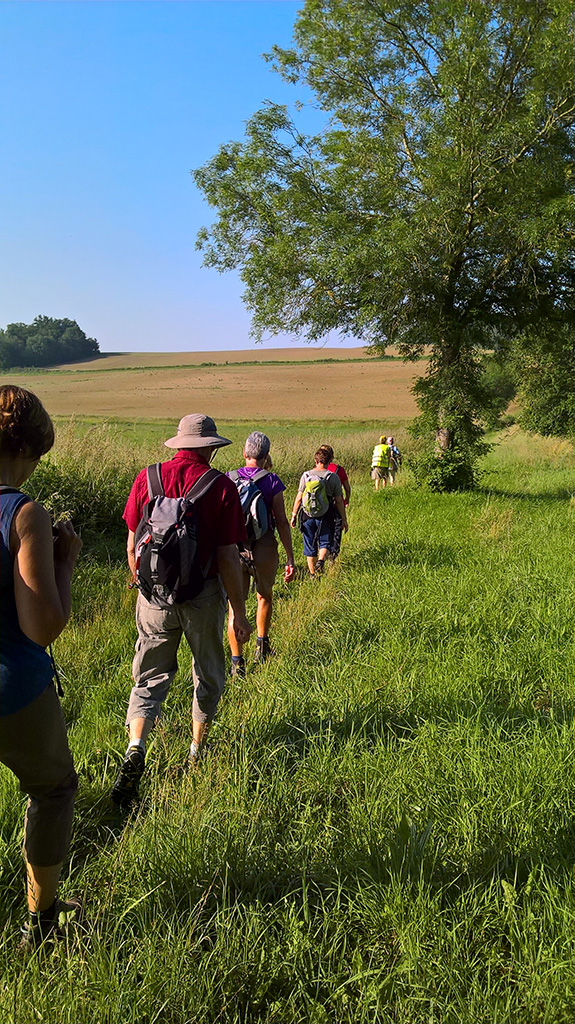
column 379, row 472
column 265, row 564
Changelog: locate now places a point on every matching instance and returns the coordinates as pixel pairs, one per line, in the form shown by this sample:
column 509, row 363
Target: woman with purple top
column 261, row 560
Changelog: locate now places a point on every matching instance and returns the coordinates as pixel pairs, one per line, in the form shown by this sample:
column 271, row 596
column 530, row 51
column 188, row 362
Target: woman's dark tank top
column 25, row 667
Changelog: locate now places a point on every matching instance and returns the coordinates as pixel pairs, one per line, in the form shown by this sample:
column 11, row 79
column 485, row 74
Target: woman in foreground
column 36, row 566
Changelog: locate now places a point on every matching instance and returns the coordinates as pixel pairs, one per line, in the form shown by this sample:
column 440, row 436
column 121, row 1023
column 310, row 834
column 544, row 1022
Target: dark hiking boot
column 125, row 789
column 238, row 668
column 50, row 925
column 319, row 567
column 263, row 650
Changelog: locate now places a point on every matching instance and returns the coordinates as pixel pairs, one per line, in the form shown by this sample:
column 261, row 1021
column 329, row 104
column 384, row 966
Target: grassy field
column 384, row 828
column 271, row 385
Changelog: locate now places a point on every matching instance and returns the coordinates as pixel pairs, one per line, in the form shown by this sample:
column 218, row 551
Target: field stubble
column 384, row 829
column 348, row 388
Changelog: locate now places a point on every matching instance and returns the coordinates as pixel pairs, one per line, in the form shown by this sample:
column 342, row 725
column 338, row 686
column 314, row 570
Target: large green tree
column 434, row 210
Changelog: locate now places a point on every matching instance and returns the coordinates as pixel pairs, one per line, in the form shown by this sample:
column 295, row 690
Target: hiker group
column 385, row 462
column 197, row 538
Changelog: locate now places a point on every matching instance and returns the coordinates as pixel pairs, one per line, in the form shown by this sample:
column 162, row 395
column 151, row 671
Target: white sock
column 194, row 749
column 137, row 743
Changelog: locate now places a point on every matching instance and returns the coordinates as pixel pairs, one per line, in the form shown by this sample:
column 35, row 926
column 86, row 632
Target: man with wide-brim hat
column 220, row 528
column 197, row 431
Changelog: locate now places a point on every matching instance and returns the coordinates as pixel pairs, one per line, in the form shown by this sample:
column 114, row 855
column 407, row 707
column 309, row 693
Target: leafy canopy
column 436, row 206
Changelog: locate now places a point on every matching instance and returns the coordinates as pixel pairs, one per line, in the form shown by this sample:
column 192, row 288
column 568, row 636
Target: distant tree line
column 45, row 342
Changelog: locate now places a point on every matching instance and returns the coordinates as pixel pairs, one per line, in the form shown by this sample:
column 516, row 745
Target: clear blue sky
column 107, row 106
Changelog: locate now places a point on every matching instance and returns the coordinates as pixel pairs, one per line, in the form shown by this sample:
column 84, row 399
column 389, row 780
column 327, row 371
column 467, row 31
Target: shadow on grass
column 549, row 497
column 407, row 553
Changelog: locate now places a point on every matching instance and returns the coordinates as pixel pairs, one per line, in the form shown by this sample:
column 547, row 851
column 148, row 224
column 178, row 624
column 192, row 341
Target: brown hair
column 321, row 456
column 327, row 448
column 25, row 427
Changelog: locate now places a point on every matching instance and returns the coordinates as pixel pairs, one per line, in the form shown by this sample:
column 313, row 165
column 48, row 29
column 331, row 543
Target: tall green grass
column 384, row 828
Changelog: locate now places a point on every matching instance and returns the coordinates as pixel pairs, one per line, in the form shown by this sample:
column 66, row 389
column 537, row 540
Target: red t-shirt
column 220, row 516
column 334, row 468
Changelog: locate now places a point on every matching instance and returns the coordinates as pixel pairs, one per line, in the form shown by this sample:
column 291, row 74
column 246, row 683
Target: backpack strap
column 202, row 485
column 196, row 492
column 155, row 485
column 235, row 476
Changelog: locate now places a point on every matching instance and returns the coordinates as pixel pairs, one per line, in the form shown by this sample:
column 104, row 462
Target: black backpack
column 166, row 549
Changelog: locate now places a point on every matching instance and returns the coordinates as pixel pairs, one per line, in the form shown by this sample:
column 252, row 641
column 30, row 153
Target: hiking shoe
column 238, row 668
column 263, row 650
column 50, row 926
column 125, row 789
column 194, row 759
column 319, row 567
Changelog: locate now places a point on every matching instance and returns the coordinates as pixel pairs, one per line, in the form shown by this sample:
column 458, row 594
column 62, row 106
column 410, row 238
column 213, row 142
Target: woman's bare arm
column 43, row 568
column 278, row 509
column 296, row 505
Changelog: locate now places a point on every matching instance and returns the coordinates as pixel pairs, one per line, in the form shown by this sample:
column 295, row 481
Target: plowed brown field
column 161, row 385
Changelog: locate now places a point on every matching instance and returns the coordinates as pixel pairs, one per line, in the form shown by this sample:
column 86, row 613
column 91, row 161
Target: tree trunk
column 443, row 440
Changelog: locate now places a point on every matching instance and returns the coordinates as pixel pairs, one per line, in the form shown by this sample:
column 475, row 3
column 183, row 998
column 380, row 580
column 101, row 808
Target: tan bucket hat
column 197, row 431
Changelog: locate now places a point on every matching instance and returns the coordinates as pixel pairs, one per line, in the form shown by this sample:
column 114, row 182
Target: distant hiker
column 183, row 595
column 37, row 562
column 394, row 459
column 380, row 462
column 319, row 496
column 262, row 499
column 338, row 524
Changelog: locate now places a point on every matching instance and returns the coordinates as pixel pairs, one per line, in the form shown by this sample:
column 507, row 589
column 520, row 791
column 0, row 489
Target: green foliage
column 500, row 383
column 44, row 342
column 547, row 393
column 449, row 470
column 435, row 206
column 87, row 478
